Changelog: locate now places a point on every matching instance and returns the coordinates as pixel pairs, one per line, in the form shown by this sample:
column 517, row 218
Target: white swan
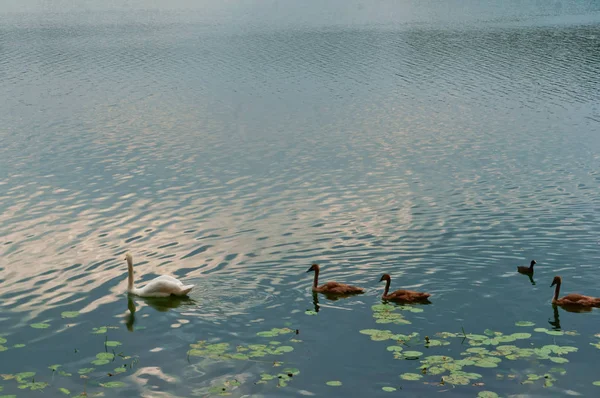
column 162, row 286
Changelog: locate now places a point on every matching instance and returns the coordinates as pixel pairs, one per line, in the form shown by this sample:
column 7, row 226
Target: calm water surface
column 232, row 145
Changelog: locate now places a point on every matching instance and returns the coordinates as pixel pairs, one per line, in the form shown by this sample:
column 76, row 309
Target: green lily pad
column 524, row 323
column 18, row 345
column 412, row 354
column 487, row 394
column 521, row 336
column 33, row 386
column 410, row 376
column 310, row 312
column 479, row 337
column 40, row 325
column 69, row 314
column 596, row 383
column 64, row 391
column 486, row 363
column 334, row 383
column 54, row 368
column 394, row 348
column 388, row 389
column 112, row 343
column 291, row 371
column 113, row 384
column 84, row 371
column 457, row 380
column 24, row 376
column 559, row 359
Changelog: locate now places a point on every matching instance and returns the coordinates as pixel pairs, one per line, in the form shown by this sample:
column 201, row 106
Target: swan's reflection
column 161, row 304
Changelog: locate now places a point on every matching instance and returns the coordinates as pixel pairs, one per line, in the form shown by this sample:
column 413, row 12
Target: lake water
column 233, row 144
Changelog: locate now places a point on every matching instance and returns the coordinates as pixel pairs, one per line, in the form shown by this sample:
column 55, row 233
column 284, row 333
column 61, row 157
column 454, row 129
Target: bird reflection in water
column 556, row 323
column 330, row 297
column 161, row 304
column 569, row 308
column 531, row 278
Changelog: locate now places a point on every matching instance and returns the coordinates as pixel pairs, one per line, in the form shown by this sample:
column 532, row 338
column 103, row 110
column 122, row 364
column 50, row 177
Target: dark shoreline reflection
column 160, row 304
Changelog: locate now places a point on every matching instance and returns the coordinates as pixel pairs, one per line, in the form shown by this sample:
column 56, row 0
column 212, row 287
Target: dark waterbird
column 572, row 301
column 401, row 295
column 332, row 288
column 526, row 270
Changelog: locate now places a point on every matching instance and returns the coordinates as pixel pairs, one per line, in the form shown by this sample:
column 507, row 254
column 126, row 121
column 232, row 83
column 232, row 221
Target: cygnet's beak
column 310, row 269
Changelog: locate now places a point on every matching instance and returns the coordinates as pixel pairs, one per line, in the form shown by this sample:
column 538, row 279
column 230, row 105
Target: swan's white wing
column 163, row 286
column 169, row 278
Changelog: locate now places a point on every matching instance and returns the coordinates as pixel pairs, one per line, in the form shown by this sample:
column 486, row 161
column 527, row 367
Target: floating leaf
column 486, row 363
column 394, row 348
column 121, row 369
column 412, row 354
column 521, row 336
column 64, row 391
column 18, row 345
column 69, row 314
column 113, row 384
column 3, row 340
column 33, row 386
column 487, row 394
column 24, row 376
column 596, row 383
column 54, row 368
column 112, row 343
column 388, row 389
column 410, row 376
column 85, row 371
column 559, row 359
column 334, row 383
column 524, row 323
column 310, row 312
column 291, row 371
column 40, row 325
column 105, row 355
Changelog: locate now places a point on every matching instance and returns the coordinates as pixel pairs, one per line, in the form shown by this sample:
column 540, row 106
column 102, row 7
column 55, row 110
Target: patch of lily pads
column 387, row 313
column 3, row 347
column 224, row 351
column 485, row 350
column 30, row 381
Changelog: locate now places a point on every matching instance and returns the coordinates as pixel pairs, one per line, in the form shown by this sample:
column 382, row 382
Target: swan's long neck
column 316, row 280
column 387, row 286
column 130, row 277
column 556, row 292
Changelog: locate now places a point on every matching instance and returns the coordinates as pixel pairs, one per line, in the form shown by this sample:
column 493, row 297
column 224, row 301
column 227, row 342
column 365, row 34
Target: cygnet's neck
column 387, row 286
column 556, row 292
column 316, row 279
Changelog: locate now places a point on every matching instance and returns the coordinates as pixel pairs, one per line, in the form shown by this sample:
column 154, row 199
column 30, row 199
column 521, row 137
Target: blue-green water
column 233, row 144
